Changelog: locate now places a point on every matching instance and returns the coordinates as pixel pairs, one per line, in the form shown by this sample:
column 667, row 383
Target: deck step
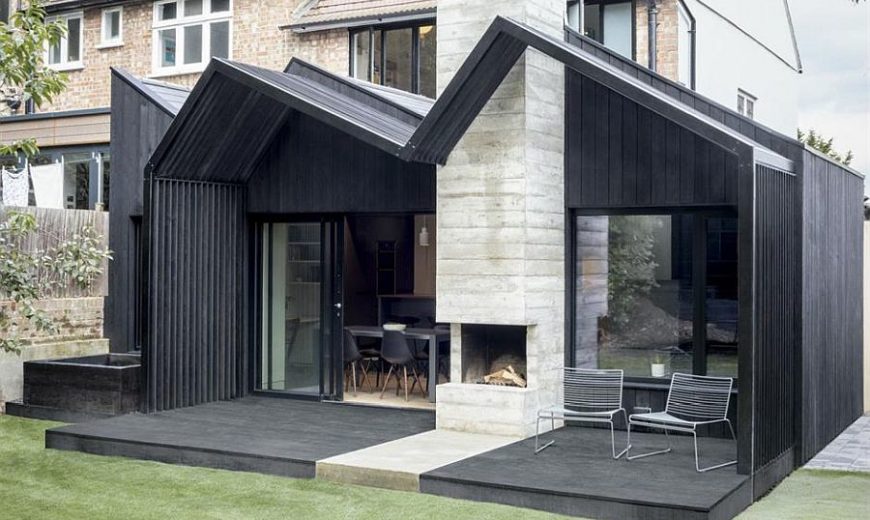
column 398, row 464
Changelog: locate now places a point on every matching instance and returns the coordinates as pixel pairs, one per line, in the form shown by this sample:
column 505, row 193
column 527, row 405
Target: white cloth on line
column 16, row 188
column 48, row 185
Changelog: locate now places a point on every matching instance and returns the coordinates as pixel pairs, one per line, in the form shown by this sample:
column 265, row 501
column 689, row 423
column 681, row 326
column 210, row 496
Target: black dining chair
column 396, row 351
column 353, row 356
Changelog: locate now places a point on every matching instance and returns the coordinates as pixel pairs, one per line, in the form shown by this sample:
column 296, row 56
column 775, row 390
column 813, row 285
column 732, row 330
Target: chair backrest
column 596, row 389
column 395, row 349
column 699, row 397
column 351, row 348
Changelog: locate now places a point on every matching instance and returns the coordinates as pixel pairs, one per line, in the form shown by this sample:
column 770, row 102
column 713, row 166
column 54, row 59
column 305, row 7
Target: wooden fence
column 55, row 227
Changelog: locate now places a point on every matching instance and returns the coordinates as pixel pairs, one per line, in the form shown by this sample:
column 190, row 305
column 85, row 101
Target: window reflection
column 635, row 302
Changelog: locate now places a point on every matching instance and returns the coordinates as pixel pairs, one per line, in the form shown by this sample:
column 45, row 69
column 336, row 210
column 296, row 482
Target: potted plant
column 657, row 366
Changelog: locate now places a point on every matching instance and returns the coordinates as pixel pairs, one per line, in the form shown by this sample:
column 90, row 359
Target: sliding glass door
column 301, row 307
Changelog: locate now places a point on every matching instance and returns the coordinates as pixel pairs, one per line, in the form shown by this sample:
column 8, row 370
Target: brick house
column 386, row 41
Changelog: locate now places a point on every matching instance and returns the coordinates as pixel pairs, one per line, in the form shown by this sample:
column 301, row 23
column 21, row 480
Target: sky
column 834, row 41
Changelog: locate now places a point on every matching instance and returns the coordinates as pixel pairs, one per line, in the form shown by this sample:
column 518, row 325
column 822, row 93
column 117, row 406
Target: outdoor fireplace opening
column 494, row 355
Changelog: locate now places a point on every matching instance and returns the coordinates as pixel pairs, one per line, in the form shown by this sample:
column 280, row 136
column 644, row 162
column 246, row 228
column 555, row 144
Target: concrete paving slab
column 398, row 464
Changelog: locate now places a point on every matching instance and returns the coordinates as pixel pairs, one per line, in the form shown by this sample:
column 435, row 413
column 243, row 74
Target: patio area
column 302, row 439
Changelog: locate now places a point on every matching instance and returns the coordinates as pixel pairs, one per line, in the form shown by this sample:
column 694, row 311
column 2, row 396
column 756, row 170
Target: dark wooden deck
column 577, row 476
column 261, row 434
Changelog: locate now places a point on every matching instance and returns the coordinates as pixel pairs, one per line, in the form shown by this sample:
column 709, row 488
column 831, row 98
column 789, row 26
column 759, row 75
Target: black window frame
column 699, row 279
column 383, row 29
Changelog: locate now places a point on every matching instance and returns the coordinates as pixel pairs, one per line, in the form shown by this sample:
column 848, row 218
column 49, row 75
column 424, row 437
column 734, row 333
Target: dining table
column 433, row 337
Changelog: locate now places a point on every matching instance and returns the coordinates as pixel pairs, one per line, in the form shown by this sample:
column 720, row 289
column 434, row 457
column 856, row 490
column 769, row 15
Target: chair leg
column 419, row 383
column 386, row 381
column 698, row 467
column 539, row 449
column 405, row 385
column 627, row 439
column 353, row 376
column 651, row 453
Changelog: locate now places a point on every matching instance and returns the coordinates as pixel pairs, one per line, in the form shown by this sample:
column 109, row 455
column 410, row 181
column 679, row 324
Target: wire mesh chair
column 591, row 395
column 692, row 401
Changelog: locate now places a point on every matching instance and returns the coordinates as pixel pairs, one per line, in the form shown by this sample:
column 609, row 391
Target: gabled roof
column 169, row 97
column 400, row 124
column 318, row 15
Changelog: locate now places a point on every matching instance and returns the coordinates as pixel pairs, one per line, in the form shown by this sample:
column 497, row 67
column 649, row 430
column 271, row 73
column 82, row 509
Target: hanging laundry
column 48, row 185
column 16, row 187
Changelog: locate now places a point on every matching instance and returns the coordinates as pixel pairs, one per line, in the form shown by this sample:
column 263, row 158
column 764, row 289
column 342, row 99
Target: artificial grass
column 814, row 494
column 36, row 483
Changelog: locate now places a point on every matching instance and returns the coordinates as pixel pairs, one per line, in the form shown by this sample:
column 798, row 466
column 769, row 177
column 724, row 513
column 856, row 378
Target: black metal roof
column 167, row 96
column 410, row 127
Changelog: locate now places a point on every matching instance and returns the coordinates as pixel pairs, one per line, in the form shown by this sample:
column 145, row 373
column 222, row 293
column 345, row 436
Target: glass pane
column 167, row 47
column 54, row 53
column 397, row 63
column 193, row 44
column 219, row 6
column 76, row 175
column 167, row 11
column 721, row 297
column 592, row 22
column 618, row 28
column 73, row 38
column 292, row 294
column 634, row 294
column 114, row 24
column 377, row 56
column 427, row 60
column 192, row 7
column 361, row 55
column 220, row 39
column 107, row 169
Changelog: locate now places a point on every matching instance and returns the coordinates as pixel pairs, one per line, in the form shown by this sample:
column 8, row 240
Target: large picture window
column 398, row 57
column 656, row 294
column 187, row 33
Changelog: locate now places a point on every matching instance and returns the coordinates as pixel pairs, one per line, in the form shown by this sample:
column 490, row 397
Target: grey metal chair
column 693, row 401
column 591, row 395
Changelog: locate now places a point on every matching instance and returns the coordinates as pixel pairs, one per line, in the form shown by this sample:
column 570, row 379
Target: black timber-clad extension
column 142, row 111
column 307, row 142
column 830, row 368
column 197, row 293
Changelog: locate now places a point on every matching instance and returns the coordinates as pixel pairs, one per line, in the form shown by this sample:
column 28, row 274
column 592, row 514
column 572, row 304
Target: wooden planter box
column 106, row 384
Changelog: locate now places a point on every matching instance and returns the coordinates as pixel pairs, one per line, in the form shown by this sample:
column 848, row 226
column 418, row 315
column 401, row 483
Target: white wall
column 728, row 60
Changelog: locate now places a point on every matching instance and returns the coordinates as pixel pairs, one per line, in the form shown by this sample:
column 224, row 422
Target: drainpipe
column 652, row 15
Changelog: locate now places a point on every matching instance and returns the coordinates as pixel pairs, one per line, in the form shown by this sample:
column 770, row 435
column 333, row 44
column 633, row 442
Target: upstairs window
column 400, row 57
column 111, row 27
column 187, row 33
column 609, row 23
column 67, row 53
column 746, row 103
column 685, row 46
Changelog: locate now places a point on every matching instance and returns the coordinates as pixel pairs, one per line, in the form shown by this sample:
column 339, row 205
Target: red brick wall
column 74, row 319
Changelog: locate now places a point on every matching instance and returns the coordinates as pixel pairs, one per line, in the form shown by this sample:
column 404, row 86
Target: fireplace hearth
column 494, row 354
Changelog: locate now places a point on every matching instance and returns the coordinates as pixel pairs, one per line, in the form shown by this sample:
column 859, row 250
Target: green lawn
column 813, row 495
column 36, row 483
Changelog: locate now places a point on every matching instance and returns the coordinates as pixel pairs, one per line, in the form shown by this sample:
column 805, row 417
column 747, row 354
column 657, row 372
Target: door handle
column 337, row 305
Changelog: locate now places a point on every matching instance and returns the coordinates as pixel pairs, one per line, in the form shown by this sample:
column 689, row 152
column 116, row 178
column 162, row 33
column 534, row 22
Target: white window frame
column 179, row 23
column 104, row 18
column 685, row 52
column 744, row 99
column 64, row 63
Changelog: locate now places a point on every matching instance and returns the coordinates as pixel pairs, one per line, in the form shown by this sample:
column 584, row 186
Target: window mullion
column 699, row 286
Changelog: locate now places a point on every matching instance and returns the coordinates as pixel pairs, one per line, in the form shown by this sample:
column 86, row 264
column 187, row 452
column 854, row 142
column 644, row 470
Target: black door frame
column 332, row 301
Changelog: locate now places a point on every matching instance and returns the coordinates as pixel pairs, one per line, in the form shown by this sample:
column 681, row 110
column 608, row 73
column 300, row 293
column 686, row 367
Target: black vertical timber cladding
column 622, row 155
column 777, row 311
column 832, row 325
column 196, row 340
column 311, row 167
column 137, row 127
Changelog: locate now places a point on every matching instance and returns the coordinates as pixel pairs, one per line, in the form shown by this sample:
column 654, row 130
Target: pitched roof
column 316, row 15
column 168, row 96
column 206, row 134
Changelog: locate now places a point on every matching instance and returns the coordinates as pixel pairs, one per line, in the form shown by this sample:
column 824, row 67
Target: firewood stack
column 505, row 377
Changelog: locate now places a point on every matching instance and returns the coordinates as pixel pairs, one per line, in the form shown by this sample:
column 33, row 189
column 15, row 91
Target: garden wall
column 76, row 313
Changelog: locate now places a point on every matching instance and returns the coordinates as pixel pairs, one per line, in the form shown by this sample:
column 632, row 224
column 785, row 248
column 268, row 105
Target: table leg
column 433, row 366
